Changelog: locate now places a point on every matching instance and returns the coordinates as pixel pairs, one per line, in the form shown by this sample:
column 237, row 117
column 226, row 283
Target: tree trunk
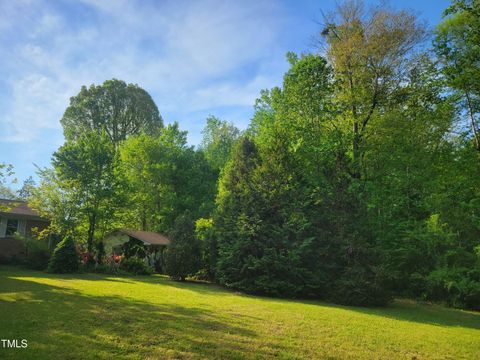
column 144, row 219
column 91, row 232
column 356, row 132
column 472, row 121
column 356, row 151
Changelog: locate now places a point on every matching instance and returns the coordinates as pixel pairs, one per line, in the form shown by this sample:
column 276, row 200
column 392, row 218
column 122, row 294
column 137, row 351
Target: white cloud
column 36, row 102
column 191, row 56
column 230, row 94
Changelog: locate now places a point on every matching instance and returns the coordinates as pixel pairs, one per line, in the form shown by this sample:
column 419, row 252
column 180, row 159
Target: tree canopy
column 115, row 107
column 218, row 140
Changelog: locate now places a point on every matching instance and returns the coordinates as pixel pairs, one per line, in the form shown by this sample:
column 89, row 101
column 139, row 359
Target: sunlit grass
column 92, row 316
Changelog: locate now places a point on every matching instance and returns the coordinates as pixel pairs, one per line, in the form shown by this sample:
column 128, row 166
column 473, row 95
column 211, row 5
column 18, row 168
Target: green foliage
column 183, row 254
column 118, row 109
column 6, row 171
column 100, row 252
column 37, row 254
column 84, row 171
column 134, row 248
column 136, row 266
column 27, row 189
column 219, row 137
column 456, row 44
column 204, row 232
column 263, row 249
column 65, row 258
column 102, row 269
column 163, row 177
column 362, row 285
column 368, row 51
column 288, row 219
column 458, row 287
column 55, row 204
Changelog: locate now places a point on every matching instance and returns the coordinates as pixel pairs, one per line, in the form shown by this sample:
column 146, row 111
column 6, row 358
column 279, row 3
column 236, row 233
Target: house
column 16, row 217
column 148, row 244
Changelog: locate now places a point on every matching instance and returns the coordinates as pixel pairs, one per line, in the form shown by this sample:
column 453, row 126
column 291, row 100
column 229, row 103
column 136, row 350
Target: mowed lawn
column 90, row 316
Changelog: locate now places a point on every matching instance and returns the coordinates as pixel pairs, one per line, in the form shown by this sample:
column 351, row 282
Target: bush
column 458, row 287
column 37, row 254
column 134, row 248
column 86, row 259
column 111, row 265
column 205, row 234
column 100, row 252
column 101, row 269
column 362, row 286
column 416, row 285
column 65, row 258
column 136, row 266
column 183, row 253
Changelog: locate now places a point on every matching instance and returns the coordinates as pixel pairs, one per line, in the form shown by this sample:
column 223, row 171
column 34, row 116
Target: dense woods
column 357, row 180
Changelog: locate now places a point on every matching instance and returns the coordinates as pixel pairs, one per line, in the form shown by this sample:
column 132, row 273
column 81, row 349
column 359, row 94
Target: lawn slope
column 92, row 316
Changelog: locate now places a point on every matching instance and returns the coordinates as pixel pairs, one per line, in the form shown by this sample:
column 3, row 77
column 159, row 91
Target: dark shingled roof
column 150, row 237
column 18, row 207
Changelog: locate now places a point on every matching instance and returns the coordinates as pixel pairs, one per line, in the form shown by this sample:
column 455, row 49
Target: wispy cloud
column 197, row 56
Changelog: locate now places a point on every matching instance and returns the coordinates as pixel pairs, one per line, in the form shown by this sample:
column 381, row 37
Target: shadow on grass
column 64, row 323
column 19, row 271
column 413, row 311
column 402, row 310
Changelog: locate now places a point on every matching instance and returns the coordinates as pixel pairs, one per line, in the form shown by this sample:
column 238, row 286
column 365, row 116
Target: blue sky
column 194, row 57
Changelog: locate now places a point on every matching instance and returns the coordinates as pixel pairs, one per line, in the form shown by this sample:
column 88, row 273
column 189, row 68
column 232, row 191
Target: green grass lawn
column 98, row 316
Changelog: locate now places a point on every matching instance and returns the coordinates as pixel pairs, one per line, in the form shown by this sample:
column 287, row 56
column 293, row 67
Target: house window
column 12, row 227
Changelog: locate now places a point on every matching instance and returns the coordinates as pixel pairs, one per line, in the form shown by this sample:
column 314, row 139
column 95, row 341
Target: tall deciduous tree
column 368, row 51
column 85, row 169
column 219, row 137
column 287, row 220
column 27, row 189
column 404, row 164
column 6, row 171
column 457, row 45
column 114, row 107
column 164, row 177
column 56, row 202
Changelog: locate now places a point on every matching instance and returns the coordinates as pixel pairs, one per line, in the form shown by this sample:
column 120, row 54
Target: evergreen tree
column 65, row 258
column 183, row 253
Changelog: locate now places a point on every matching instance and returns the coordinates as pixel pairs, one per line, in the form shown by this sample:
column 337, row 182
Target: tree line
column 356, row 180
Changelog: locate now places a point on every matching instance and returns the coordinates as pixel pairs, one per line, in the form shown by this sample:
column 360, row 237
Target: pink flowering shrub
column 113, row 262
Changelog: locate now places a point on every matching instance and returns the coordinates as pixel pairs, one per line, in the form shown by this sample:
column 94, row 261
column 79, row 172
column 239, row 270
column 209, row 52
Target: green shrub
column 416, row 285
column 458, row 287
column 65, row 258
column 470, row 294
column 362, row 286
column 101, row 269
column 37, row 254
column 183, row 254
column 134, row 248
column 136, row 266
column 100, row 252
column 201, row 275
column 205, row 234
